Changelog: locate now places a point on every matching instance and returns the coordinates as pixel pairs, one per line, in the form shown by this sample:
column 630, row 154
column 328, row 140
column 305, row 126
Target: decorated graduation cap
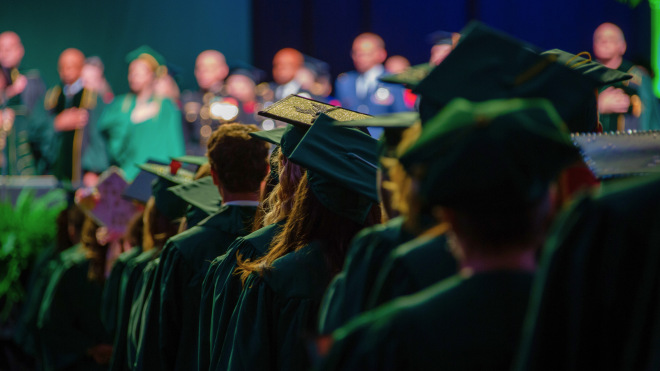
column 500, row 153
column 440, row 38
column 154, row 59
column 488, row 64
column 341, row 167
column 610, row 155
column 411, row 76
column 167, row 202
column 393, row 124
column 203, row 197
column 302, row 112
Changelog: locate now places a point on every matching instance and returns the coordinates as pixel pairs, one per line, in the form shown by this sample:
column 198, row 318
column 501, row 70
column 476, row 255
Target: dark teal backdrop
column 111, row 28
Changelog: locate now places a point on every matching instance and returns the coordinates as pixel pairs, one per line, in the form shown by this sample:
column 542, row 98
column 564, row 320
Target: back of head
column 239, row 161
column 157, row 228
column 95, row 252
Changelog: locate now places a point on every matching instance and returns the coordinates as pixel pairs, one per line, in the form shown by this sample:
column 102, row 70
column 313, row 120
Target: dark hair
column 309, row 220
column 75, row 217
column 95, row 252
column 498, row 229
column 157, row 227
column 63, row 241
column 240, row 161
column 135, row 230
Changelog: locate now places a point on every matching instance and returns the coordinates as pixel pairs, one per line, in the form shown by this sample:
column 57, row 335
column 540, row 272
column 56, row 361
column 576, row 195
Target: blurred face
column 210, row 70
column 140, row 76
column 439, row 53
column 608, row 42
column 11, row 50
column 366, row 54
column 396, row 64
column 92, row 77
column 165, row 86
column 285, row 66
column 241, row 87
column 70, row 66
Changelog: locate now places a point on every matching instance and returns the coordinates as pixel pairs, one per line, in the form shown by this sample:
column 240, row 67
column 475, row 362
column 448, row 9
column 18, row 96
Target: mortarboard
column 287, row 138
column 201, row 194
column 168, row 203
column 522, row 146
column 620, row 154
column 195, row 160
column 604, row 75
column 140, row 189
column 341, row 167
column 411, row 76
column 155, row 60
column 302, row 112
column 488, row 64
column 393, row 124
column 440, row 38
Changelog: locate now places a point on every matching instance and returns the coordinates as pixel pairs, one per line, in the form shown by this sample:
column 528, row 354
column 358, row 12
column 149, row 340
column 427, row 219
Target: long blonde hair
column 279, row 202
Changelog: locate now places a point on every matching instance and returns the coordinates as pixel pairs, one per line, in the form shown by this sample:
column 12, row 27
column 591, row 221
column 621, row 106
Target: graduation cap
column 140, row 189
column 440, row 38
column 488, row 64
column 618, row 154
column 500, row 153
column 302, row 112
column 411, row 76
column 393, row 124
column 203, row 197
column 155, row 60
column 167, row 203
column 341, row 167
column 604, row 75
column 195, row 160
column 287, row 138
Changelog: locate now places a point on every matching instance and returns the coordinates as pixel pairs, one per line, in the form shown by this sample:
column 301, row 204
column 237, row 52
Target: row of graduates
column 320, row 282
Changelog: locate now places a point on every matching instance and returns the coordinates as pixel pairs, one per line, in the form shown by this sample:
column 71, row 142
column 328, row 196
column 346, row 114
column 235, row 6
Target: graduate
column 140, row 126
column 222, row 288
column 498, row 205
column 282, row 289
column 161, row 211
column 238, row 165
column 77, row 146
column 71, row 331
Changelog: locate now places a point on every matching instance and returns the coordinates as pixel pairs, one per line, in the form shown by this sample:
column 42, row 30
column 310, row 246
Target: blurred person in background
column 396, row 64
column 94, row 79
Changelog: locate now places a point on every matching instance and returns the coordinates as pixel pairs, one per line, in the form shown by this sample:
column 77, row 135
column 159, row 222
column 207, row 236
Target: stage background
column 177, row 29
column 323, row 29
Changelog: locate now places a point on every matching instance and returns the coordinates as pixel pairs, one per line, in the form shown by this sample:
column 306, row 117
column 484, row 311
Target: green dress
column 131, row 274
column 595, row 301
column 112, row 290
column 222, row 289
column 413, row 267
column 457, row 324
column 158, row 138
column 275, row 312
column 178, row 280
column 347, row 296
column 70, row 321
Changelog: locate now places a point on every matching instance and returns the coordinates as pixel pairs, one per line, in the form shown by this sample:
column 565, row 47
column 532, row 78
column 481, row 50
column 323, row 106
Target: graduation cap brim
column 201, row 193
column 411, row 76
column 585, row 66
column 273, row 136
column 140, row 189
column 181, row 177
column 610, row 155
column 302, row 112
column 195, row 160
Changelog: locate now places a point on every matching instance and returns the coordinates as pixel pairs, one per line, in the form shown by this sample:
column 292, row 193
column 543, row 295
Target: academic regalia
column 158, row 138
column 643, row 113
column 112, row 290
column 347, row 296
column 221, row 291
column 184, row 262
column 69, row 320
column 75, row 152
column 411, row 268
column 461, row 323
column 141, row 307
column 595, row 300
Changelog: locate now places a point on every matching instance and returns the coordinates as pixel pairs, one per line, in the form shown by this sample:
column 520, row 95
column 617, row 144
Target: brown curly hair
column 240, row 161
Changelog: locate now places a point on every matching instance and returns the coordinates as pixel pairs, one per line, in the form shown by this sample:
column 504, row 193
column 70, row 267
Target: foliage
column 26, row 229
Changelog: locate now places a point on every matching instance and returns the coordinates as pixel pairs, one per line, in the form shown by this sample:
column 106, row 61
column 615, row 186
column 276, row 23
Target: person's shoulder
column 388, row 231
column 263, row 236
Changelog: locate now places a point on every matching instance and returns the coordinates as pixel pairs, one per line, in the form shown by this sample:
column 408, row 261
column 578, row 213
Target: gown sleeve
column 205, row 317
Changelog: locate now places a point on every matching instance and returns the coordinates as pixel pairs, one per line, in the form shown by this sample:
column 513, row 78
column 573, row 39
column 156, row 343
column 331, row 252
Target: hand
column 101, row 353
column 613, row 100
column 71, row 119
column 90, row 179
column 17, row 87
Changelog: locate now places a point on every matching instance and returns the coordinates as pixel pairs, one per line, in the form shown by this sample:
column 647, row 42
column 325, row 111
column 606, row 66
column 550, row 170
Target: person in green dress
column 282, row 289
column 498, row 206
column 221, row 288
column 71, row 331
column 239, row 163
column 140, row 126
column 161, row 210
